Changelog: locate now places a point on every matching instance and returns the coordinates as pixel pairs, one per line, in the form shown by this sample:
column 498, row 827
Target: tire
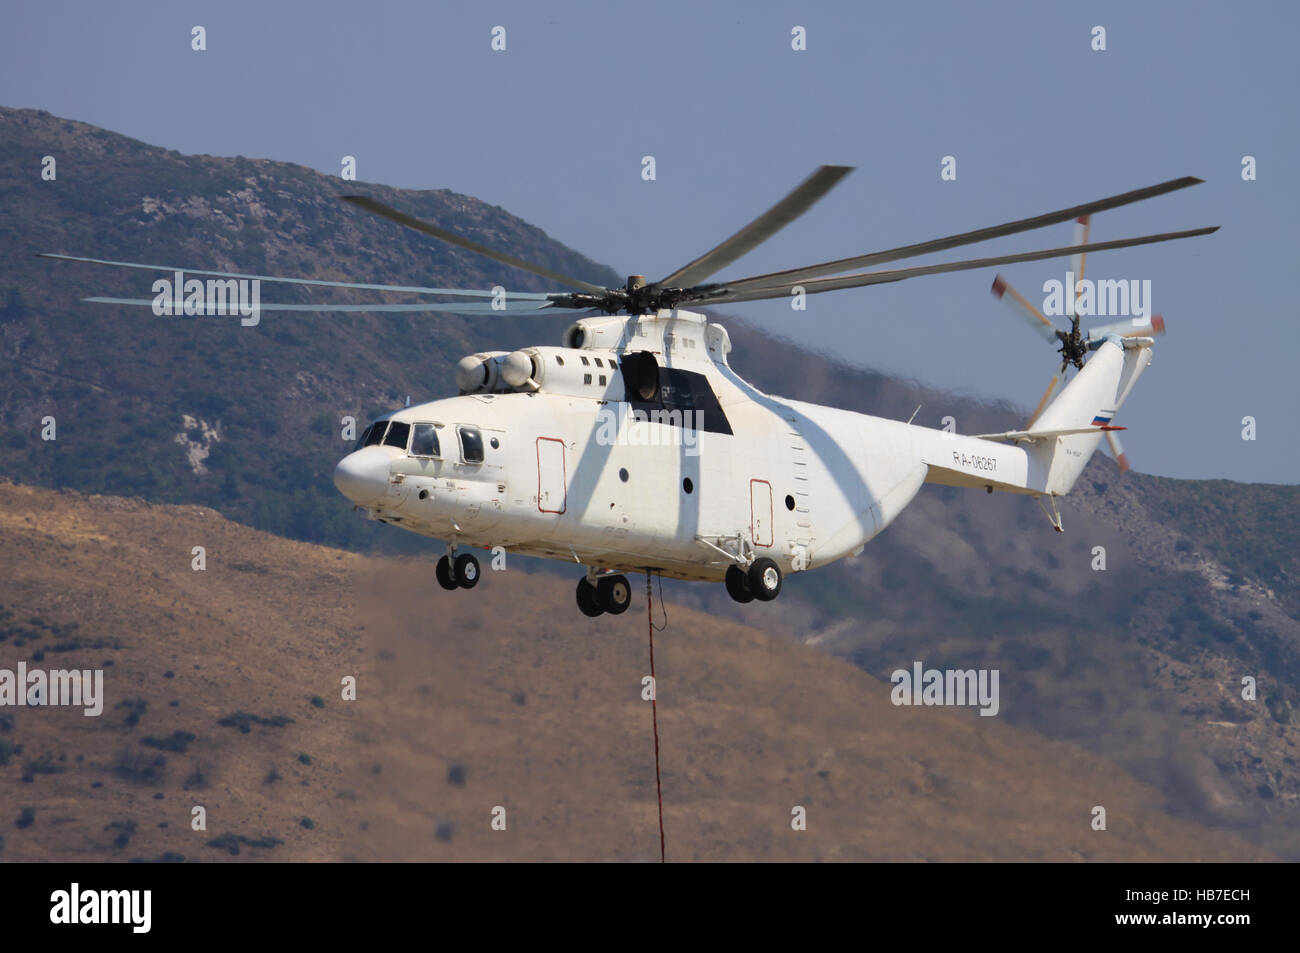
column 614, row 594
column 765, row 579
column 444, row 575
column 587, row 599
column 467, row 571
column 738, row 585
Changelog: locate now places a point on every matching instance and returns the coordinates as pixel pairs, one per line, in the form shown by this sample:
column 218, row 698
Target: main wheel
column 467, row 571
column 738, row 585
column 765, row 579
column 444, row 574
column 587, row 599
column 614, row 594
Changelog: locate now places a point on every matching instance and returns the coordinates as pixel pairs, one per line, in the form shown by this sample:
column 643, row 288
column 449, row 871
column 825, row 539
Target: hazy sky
column 554, row 129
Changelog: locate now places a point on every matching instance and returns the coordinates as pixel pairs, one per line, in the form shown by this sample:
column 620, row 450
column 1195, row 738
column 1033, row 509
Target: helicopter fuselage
column 599, row 455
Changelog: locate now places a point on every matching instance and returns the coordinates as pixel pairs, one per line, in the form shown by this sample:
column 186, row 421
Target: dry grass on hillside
column 503, row 696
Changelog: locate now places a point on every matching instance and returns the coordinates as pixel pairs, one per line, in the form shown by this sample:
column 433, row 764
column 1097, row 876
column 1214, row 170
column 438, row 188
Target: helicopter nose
column 362, row 476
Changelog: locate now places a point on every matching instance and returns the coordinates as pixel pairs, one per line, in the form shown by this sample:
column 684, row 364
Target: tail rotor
column 1074, row 344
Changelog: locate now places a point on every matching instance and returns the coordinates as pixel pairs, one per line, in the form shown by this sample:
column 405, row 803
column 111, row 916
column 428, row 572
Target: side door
column 760, row 512
column 552, row 487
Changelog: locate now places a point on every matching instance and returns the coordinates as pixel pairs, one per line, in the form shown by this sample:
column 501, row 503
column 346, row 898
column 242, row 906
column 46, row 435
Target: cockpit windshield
column 398, row 432
column 373, row 435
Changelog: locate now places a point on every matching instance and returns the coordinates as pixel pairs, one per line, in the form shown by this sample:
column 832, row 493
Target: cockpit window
column 397, row 434
column 374, row 434
column 471, row 445
column 424, row 441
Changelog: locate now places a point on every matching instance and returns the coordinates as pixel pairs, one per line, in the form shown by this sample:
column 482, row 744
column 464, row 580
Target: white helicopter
column 634, row 447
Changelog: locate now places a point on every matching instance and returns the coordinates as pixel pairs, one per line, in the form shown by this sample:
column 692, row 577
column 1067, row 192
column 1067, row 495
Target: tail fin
column 1090, row 400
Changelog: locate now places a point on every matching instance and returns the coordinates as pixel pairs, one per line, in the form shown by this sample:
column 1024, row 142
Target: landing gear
column 461, row 573
column 612, row 594
column 446, row 578
column 467, row 571
column 738, row 585
column 587, row 599
column 764, row 579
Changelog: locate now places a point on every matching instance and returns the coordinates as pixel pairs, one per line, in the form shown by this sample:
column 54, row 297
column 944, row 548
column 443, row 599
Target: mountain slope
column 470, row 701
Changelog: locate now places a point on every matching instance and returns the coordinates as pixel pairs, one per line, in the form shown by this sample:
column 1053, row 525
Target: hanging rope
column 654, row 711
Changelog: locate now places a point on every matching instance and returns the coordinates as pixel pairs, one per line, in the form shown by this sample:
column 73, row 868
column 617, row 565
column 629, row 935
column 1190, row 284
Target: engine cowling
column 523, row 370
column 479, row 373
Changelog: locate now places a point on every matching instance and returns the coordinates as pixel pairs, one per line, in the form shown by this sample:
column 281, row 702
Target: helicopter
column 632, row 446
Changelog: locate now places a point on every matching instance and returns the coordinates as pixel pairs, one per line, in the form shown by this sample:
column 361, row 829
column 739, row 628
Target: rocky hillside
column 223, row 692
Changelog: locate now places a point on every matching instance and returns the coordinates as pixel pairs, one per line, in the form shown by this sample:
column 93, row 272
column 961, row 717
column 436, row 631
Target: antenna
column 914, row 413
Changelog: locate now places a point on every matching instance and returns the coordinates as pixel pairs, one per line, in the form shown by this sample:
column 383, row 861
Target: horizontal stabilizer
column 1032, row 436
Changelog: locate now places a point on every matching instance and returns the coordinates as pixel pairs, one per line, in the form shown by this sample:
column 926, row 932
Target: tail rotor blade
column 1128, row 329
column 1117, row 450
column 1003, row 291
column 1082, row 226
column 1057, row 381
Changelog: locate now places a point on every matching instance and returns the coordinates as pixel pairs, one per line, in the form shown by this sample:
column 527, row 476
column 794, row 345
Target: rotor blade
column 1082, row 226
column 1117, row 450
column 804, row 196
column 401, row 218
column 416, row 289
column 1057, row 381
column 1036, row 319
column 724, row 293
column 799, row 275
column 1129, row 329
column 448, row 307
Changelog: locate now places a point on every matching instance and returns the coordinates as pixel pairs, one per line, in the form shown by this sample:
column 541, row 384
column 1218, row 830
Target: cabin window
column 471, row 445
column 585, row 362
column 424, row 441
column 598, row 362
column 602, row 380
column 397, row 435
column 586, row 378
column 559, row 360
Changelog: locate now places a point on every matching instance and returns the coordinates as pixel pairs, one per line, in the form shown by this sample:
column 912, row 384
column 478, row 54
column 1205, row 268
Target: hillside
column 467, row 701
column 140, row 395
column 1140, row 664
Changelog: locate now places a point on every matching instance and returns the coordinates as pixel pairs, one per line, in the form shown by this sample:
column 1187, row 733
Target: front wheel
column 467, row 571
column 738, row 585
column 587, row 603
column 765, row 579
column 443, row 574
column 614, row 594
